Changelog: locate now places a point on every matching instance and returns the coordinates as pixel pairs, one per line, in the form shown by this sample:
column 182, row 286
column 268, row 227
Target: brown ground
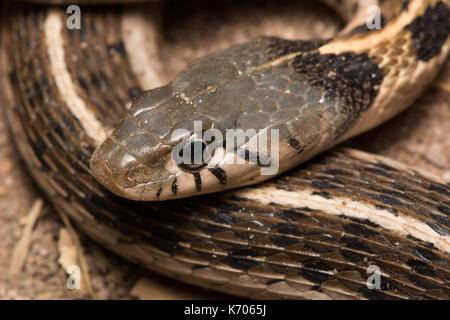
column 418, row 137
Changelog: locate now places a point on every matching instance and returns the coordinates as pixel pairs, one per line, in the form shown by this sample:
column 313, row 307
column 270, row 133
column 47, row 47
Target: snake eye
column 190, row 155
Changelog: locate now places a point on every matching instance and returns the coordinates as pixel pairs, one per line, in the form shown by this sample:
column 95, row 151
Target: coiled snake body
column 309, row 233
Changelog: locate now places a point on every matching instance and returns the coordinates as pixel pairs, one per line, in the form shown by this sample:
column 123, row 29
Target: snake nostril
column 102, row 173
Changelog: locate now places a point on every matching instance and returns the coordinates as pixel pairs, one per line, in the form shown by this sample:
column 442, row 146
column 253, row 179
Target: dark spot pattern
column 436, row 227
column 421, row 281
column 323, row 185
column 240, row 263
column 430, row 31
column 426, row 254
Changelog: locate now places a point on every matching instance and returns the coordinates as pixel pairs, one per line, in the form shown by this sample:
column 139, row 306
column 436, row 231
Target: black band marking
column 198, row 180
column 352, row 79
column 219, row 174
column 174, row 186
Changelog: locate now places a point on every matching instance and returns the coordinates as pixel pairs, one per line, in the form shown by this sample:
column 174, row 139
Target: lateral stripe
column 403, row 225
column 53, row 27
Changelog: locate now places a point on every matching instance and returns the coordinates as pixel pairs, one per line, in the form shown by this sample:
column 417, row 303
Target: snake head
column 158, row 151
column 148, row 158
column 170, row 144
column 135, row 161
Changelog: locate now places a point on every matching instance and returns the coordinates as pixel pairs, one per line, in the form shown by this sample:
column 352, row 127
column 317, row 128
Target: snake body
column 312, row 232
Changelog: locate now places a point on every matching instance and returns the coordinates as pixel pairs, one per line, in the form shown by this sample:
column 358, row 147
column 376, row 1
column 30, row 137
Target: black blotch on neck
column 439, row 229
column 389, row 201
column 430, row 31
column 322, row 194
column 422, row 267
column 350, row 79
column 240, row 259
column 424, row 253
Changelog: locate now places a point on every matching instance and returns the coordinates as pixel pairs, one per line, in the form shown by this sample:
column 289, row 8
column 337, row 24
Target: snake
column 103, row 150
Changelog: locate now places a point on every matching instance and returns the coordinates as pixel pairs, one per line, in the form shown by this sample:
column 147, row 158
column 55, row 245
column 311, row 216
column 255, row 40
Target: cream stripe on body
column 340, row 45
column 403, row 225
column 140, row 29
column 55, row 44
